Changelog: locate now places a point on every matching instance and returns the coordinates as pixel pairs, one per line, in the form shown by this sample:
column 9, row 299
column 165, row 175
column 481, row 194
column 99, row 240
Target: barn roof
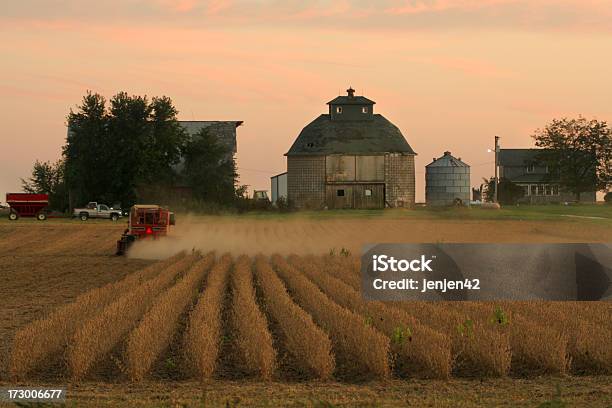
column 351, row 100
column 326, row 136
column 194, row 126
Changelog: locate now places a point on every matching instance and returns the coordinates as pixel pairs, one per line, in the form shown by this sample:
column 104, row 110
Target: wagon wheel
column 13, row 216
column 83, row 217
column 41, row 216
column 114, row 217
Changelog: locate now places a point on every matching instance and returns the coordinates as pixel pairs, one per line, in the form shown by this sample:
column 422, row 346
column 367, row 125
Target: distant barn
column 350, row 158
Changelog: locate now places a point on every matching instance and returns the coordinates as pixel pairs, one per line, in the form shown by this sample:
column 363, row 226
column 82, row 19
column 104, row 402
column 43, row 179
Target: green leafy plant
column 499, row 317
column 466, row 328
column 170, row 363
column 368, row 320
column 401, row 334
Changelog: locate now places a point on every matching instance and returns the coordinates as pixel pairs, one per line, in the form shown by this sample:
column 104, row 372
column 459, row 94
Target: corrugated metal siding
column 445, row 184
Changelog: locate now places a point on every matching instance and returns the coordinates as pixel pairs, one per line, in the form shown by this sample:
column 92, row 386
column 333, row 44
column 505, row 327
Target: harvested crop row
column 253, row 339
column 345, row 268
column 419, row 349
column 588, row 344
column 100, row 334
column 154, row 332
column 40, row 339
column 477, row 347
column 203, row 333
column 529, row 352
column 598, row 313
column 310, row 347
column 353, row 340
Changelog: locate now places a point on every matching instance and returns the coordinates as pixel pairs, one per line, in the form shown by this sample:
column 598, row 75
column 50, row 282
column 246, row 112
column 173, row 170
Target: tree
column 508, row 193
column 210, row 169
column 109, row 152
column 84, row 152
column 48, row 178
column 128, row 142
column 578, row 153
column 166, row 141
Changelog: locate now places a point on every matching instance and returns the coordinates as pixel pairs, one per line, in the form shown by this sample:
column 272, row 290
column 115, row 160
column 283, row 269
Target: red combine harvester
column 145, row 222
column 27, row 205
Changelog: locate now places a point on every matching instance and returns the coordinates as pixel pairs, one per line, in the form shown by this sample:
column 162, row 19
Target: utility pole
column 496, row 167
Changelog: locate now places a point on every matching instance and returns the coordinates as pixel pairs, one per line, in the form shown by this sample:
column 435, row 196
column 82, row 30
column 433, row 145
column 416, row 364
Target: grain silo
column 447, row 181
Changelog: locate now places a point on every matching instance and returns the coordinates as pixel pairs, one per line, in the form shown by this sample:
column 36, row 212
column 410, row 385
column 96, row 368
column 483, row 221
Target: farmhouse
column 522, row 168
column 350, row 158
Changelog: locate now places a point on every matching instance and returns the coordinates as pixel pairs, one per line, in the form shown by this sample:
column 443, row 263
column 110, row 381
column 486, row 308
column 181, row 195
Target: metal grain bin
column 447, row 181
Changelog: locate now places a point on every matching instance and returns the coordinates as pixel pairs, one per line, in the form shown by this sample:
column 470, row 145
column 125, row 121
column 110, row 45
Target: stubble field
column 258, row 313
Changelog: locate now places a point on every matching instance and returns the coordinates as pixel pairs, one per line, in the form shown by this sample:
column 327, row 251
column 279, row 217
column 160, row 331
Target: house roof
column 325, row 136
column 517, row 157
column 447, row 160
column 351, row 100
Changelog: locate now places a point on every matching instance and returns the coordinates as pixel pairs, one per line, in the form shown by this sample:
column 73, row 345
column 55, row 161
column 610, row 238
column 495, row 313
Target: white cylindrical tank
column 447, row 181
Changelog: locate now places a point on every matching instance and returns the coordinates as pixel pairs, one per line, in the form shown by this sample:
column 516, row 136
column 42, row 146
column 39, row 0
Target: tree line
column 115, row 149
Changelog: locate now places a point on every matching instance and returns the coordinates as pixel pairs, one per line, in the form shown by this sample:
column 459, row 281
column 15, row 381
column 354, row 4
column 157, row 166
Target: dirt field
column 47, row 266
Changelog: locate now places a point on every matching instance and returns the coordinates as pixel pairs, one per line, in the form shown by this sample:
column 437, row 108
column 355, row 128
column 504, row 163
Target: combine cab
column 145, row 222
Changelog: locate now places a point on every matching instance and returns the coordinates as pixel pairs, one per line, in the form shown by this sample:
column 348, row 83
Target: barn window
column 368, row 192
column 340, row 193
column 364, row 109
column 530, row 168
column 310, row 144
column 339, row 109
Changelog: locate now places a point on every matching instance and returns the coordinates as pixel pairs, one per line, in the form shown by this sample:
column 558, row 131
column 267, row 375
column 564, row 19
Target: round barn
column 350, row 158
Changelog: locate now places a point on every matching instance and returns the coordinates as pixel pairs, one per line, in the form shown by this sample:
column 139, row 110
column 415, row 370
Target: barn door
column 369, row 196
column 339, row 196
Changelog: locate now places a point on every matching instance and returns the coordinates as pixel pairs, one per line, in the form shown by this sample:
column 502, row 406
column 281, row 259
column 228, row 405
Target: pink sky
column 449, row 74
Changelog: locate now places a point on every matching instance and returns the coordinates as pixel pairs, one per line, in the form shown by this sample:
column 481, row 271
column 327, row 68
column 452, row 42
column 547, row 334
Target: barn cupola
column 351, row 107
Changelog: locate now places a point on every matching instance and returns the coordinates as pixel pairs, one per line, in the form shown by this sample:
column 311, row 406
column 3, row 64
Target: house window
column 533, row 190
column 368, row 192
column 340, row 193
column 530, row 168
column 548, row 189
column 525, row 189
column 338, row 109
column 555, row 190
column 364, row 109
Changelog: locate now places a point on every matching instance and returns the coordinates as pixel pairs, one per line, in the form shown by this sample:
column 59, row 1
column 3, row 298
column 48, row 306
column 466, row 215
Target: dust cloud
column 300, row 235
column 248, row 236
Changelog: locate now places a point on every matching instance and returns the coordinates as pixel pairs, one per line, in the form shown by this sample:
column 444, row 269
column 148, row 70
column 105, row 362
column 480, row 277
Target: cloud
column 406, row 15
column 181, row 6
column 436, row 6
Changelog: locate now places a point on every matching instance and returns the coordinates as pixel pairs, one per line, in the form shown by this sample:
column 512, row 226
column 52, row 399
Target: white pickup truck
column 95, row 210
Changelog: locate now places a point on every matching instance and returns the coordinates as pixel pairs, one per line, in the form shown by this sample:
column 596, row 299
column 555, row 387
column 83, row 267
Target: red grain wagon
column 27, row 205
